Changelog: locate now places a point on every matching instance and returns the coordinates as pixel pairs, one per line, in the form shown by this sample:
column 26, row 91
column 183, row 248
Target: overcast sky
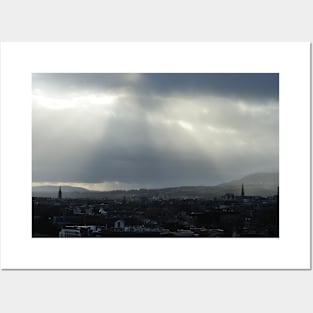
column 116, row 131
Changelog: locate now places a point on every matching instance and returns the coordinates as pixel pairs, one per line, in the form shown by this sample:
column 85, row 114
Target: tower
column 242, row 191
column 60, row 193
column 278, row 198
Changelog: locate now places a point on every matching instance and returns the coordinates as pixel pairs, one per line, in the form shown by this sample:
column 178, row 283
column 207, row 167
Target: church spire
column 277, row 197
column 60, row 193
column 242, row 191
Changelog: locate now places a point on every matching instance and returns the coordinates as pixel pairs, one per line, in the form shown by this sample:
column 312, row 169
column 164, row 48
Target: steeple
column 277, row 197
column 242, row 191
column 60, row 193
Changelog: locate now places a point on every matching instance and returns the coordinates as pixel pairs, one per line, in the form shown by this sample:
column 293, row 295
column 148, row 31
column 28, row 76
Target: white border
column 290, row 251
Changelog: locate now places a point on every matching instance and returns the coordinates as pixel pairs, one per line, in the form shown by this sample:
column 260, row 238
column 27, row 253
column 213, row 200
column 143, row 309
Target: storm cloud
column 153, row 130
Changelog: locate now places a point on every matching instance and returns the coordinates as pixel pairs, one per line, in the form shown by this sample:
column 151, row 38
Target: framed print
column 155, row 156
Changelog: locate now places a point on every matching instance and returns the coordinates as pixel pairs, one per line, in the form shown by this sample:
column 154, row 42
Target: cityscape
column 155, row 155
column 229, row 215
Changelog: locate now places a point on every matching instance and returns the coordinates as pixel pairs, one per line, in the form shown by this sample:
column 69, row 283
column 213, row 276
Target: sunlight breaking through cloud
column 153, row 129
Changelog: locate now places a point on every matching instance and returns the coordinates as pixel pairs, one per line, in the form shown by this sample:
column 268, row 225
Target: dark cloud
column 252, row 86
column 240, row 86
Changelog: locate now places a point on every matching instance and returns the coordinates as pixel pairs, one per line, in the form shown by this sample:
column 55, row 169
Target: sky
column 124, row 131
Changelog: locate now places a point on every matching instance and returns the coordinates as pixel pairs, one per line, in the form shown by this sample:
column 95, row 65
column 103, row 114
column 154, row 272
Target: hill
column 258, row 184
column 263, row 184
column 257, row 179
column 55, row 189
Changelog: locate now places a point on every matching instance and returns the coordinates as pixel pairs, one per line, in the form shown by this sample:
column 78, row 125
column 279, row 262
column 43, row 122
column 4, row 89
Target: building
column 60, row 193
column 69, row 232
column 84, row 210
column 119, row 224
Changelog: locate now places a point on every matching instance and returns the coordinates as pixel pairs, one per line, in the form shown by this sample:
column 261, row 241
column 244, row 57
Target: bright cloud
column 150, row 130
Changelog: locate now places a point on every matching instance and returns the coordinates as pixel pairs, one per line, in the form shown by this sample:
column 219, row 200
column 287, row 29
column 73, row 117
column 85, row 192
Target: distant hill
column 55, row 189
column 259, row 184
column 257, row 179
column 263, row 184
